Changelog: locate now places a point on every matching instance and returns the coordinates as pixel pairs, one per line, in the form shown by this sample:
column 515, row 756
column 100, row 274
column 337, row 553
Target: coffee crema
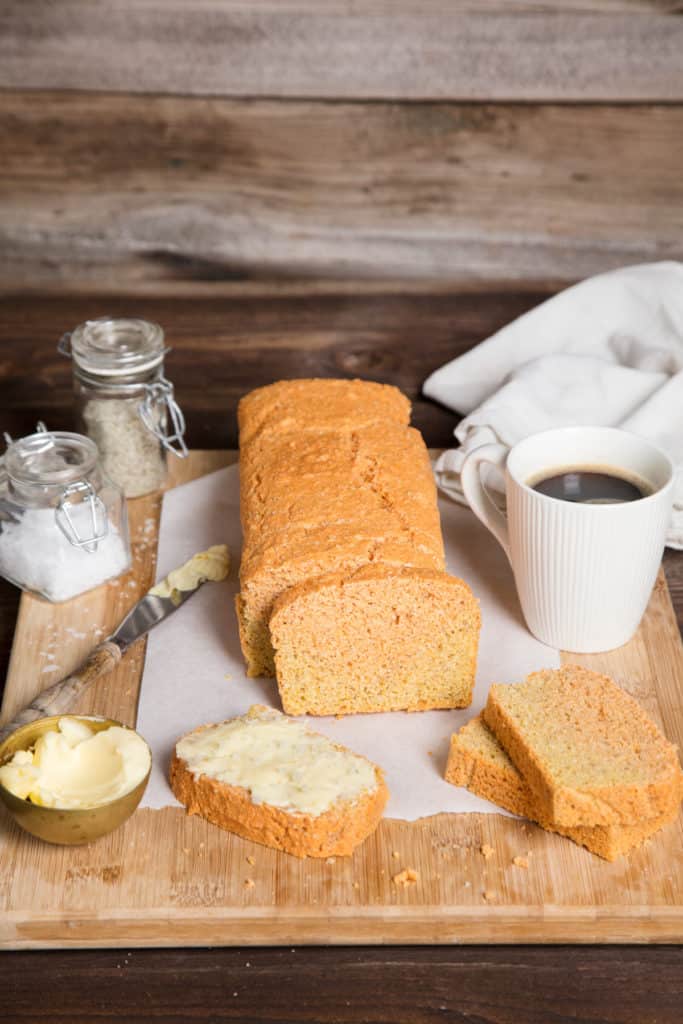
column 591, row 485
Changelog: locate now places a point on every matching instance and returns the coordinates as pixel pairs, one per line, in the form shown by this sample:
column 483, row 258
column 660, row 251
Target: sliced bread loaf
column 272, row 780
column 381, row 639
column 332, row 477
column 477, row 761
column 587, row 750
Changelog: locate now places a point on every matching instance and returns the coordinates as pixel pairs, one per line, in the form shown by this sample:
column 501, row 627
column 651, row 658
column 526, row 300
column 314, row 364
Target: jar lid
column 50, row 457
column 115, row 347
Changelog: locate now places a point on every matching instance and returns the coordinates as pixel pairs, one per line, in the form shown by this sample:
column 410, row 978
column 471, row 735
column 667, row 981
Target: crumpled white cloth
column 605, row 352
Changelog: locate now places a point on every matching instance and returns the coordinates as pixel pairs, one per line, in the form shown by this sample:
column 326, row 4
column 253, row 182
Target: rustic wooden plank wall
column 146, row 142
column 360, row 49
column 145, row 188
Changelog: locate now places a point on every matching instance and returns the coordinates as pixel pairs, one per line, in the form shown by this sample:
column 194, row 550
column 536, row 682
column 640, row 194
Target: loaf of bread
column 272, row 780
column 478, row 762
column 587, row 750
column 333, row 480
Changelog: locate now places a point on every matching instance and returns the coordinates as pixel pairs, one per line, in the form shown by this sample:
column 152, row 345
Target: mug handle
column 476, row 495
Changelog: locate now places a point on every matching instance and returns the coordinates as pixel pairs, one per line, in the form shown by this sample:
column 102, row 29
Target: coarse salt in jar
column 125, row 404
column 63, row 523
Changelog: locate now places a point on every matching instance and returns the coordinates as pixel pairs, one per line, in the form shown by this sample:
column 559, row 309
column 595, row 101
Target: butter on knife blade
column 212, row 564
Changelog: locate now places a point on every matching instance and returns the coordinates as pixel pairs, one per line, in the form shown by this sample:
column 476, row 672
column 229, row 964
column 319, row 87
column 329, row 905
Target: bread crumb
column 395, row 854
column 430, row 753
column 331, row 860
column 251, row 860
column 356, row 885
column 409, row 876
column 249, row 883
column 489, row 895
column 520, row 862
column 339, row 717
column 487, row 851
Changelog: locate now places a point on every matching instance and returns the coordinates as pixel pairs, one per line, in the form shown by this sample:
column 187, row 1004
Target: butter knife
column 147, row 613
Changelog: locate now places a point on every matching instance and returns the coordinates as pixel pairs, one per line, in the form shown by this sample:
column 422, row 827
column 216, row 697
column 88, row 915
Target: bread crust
column 621, row 803
column 336, row 832
column 504, row 785
column 332, row 477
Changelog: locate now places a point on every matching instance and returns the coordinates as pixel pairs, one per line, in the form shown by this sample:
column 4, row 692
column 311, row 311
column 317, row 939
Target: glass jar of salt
column 63, row 525
column 125, row 403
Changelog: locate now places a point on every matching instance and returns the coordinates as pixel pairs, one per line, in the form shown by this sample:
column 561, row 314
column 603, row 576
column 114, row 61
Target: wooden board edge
column 537, row 925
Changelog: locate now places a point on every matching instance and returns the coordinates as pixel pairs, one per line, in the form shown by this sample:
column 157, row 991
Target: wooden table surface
column 234, row 337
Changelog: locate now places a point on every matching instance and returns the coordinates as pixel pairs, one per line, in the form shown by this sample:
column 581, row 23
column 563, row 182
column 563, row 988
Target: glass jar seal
column 112, row 347
column 49, row 457
column 162, row 415
column 124, row 356
column 54, row 467
column 88, row 534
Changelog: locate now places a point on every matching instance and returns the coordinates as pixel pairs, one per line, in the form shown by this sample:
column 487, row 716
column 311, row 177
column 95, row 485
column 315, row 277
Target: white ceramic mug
column 584, row 572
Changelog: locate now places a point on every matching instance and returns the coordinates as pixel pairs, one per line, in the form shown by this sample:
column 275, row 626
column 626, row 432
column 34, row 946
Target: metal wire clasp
column 64, row 344
column 157, row 408
column 99, row 522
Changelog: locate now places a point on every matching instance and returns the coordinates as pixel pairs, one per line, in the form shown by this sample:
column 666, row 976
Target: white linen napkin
column 606, row 352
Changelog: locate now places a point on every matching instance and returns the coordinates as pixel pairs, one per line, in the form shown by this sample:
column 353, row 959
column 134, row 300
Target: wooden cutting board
column 168, row 879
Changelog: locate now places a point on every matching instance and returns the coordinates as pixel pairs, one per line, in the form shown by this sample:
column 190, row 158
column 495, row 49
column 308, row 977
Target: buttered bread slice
column 477, row 761
column 587, row 750
column 272, row 780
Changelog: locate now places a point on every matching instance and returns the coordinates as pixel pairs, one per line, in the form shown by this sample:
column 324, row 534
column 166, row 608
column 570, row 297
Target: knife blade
column 149, row 611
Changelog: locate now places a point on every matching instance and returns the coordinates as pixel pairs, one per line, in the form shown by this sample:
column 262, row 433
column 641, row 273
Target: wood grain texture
column 504, row 985
column 124, row 190
column 61, row 696
column 366, row 985
column 169, row 879
column 246, row 335
column 409, row 50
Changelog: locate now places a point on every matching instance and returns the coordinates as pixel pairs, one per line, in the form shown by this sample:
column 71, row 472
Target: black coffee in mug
column 591, row 485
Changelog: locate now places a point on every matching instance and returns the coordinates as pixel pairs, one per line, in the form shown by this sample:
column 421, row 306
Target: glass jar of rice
column 125, row 404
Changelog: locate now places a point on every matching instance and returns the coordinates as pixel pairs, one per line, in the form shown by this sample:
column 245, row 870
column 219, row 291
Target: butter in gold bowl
column 71, row 779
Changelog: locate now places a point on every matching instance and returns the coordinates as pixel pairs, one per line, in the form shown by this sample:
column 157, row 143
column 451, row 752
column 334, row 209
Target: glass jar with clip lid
column 63, row 524
column 125, row 404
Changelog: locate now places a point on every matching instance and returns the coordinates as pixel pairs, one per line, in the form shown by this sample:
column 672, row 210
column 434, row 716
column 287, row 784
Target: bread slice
column 477, row 761
column 272, row 780
column 383, row 639
column 586, row 749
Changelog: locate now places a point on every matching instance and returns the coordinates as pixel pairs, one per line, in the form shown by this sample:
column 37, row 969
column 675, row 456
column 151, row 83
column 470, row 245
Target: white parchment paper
column 194, row 671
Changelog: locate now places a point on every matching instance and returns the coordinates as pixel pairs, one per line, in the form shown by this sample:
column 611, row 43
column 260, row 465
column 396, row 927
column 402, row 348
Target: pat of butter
column 73, row 766
column 279, row 760
column 212, row 564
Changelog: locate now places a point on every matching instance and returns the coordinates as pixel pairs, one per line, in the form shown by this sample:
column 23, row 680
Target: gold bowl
column 67, row 826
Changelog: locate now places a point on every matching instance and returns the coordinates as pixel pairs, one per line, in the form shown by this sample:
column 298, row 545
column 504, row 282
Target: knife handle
column 59, row 697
